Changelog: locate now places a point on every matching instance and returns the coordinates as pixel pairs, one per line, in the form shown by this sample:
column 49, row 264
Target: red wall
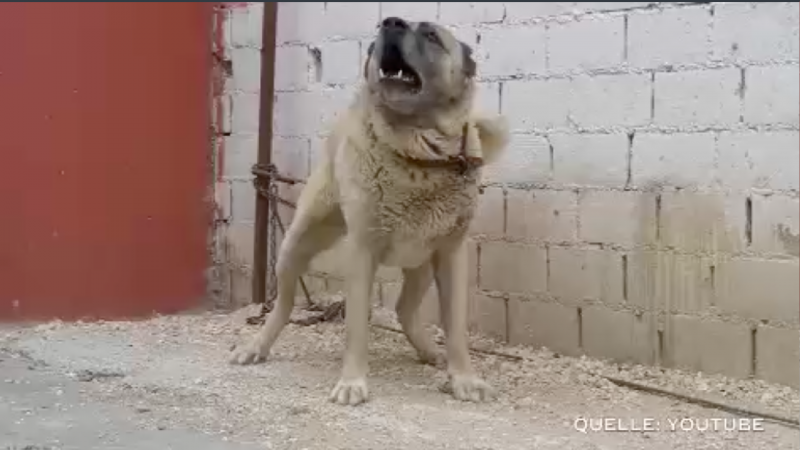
column 104, row 169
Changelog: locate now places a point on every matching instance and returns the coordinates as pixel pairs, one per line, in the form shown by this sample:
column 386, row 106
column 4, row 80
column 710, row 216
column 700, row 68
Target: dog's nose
column 394, row 23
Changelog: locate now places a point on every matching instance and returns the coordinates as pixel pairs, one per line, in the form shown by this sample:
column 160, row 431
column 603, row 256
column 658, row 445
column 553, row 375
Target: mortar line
column 753, row 351
column 625, row 278
column 625, row 38
column 748, row 226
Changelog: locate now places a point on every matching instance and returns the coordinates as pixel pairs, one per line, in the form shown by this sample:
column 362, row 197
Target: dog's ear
column 470, row 67
column 370, row 49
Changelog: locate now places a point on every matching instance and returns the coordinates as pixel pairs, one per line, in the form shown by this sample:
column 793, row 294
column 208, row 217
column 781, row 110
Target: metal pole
column 268, row 39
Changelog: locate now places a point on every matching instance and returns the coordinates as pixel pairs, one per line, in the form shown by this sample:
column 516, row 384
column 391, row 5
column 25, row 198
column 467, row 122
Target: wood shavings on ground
column 174, row 369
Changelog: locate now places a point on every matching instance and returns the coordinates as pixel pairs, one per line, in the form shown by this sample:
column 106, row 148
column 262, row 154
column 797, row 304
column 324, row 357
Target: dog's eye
column 432, row 36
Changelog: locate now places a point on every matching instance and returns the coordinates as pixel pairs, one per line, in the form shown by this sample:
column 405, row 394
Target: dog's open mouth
column 395, row 72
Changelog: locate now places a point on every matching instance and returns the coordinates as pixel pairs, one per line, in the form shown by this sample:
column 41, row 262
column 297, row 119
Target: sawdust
column 172, row 372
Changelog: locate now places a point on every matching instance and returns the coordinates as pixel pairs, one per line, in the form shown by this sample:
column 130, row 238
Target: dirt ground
column 165, row 383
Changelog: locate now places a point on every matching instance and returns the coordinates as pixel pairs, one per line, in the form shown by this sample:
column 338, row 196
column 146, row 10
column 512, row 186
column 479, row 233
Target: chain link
column 265, row 185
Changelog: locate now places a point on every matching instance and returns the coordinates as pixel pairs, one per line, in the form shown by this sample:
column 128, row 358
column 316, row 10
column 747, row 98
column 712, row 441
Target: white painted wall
column 661, row 136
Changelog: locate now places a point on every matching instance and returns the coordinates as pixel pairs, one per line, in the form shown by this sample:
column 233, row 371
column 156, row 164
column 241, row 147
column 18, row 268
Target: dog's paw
column 350, row 392
column 250, row 353
column 470, row 388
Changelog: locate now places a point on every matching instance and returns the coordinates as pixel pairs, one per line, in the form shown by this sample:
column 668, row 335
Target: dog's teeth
column 400, row 74
column 382, row 74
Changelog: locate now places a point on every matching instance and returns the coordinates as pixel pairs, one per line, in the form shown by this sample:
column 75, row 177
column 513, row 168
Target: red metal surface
column 104, row 121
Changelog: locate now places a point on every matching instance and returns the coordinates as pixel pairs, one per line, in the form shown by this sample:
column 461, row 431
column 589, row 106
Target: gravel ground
column 170, row 374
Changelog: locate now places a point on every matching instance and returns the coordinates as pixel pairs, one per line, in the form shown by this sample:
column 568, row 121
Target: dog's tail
column 494, row 134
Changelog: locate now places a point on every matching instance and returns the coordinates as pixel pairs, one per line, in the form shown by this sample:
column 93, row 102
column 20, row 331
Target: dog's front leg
column 352, row 386
column 451, row 274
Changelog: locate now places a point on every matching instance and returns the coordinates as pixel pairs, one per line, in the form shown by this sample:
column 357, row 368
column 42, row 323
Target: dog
column 399, row 183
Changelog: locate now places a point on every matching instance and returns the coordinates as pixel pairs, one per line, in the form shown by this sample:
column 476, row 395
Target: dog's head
column 418, row 68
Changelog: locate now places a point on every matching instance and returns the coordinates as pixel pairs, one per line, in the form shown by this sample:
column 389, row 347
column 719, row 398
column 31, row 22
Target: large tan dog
column 400, row 182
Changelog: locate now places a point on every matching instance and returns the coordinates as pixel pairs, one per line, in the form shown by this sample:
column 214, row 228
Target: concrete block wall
column 647, row 208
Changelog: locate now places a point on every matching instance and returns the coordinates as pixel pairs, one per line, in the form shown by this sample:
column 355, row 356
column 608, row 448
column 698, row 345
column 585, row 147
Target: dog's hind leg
column 317, row 225
column 416, row 283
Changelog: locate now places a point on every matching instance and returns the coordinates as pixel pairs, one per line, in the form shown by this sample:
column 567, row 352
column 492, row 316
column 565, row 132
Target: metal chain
column 264, row 183
column 272, row 247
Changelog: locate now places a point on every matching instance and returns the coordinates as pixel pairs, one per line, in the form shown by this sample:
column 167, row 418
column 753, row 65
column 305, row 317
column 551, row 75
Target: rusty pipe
column 268, row 41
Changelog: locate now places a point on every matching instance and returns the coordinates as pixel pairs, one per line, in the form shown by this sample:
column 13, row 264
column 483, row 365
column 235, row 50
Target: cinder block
column 707, row 346
column 540, row 324
column 776, row 224
column 244, row 202
column 290, row 156
column 223, row 200
column 488, row 316
column 292, row 68
column 239, row 238
column 300, row 22
column 524, row 11
column 602, row 44
column 590, row 159
column 609, row 6
column 222, row 114
column 665, row 281
column 772, row 95
column 777, row 354
column 513, row 268
column 692, row 221
column 536, row 104
column 513, row 51
column 244, row 113
column 577, row 275
column 416, row 11
column 241, row 288
column 759, row 288
column 317, row 154
column 333, row 103
column 674, row 159
column 525, row 160
column 619, row 335
column 620, row 218
column 698, row 97
column 544, row 215
column 671, row 36
column 470, row 12
column 341, row 62
column 350, row 19
column 767, row 160
column 757, row 32
column 240, row 152
column 490, row 215
column 611, row 100
column 296, row 113
column 487, row 98
column 245, row 26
